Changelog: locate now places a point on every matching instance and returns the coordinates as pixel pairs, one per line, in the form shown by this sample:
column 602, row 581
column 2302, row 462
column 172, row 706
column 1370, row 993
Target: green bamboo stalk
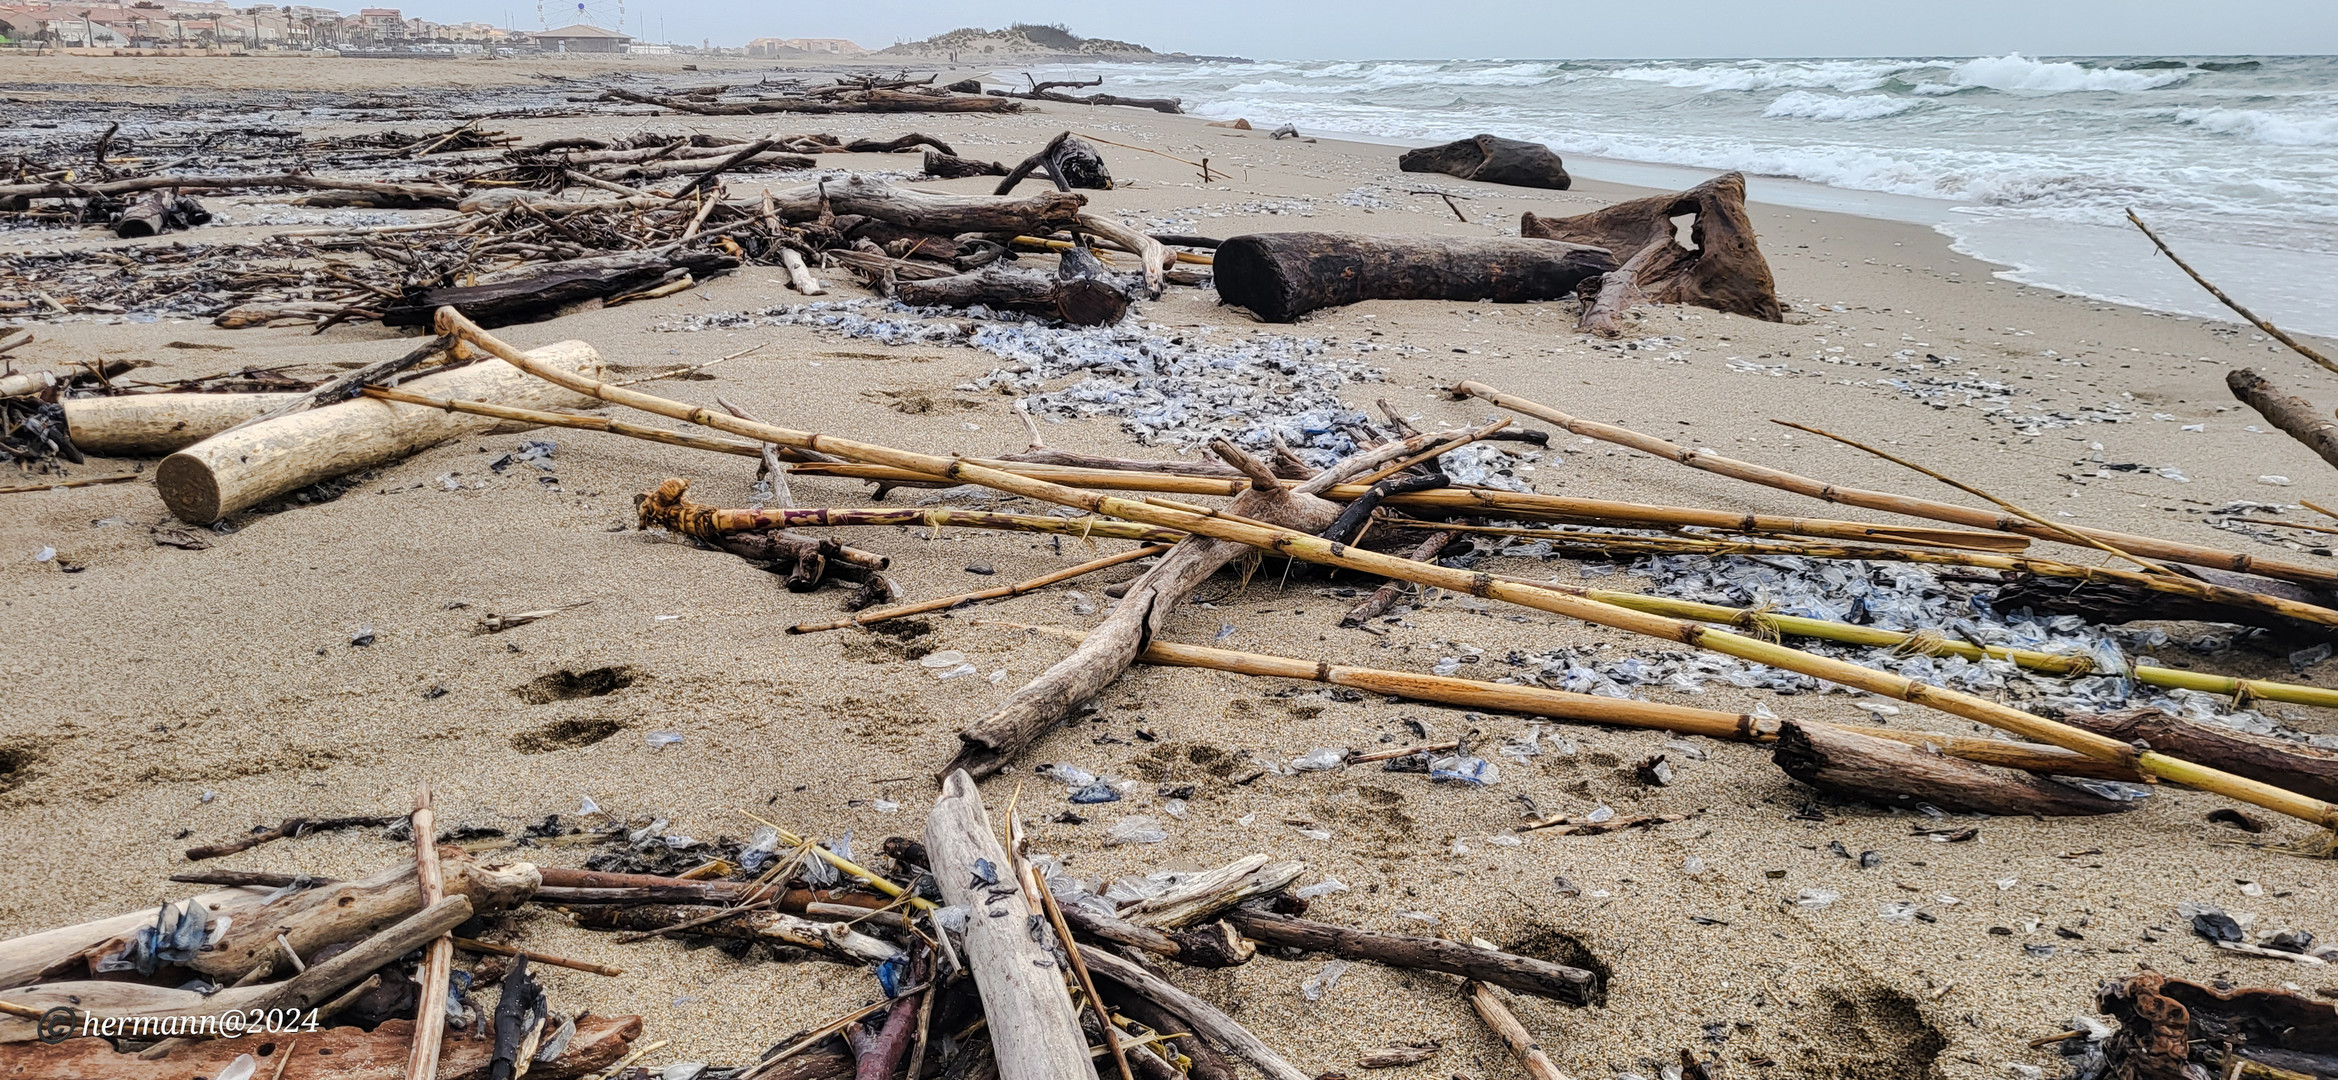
column 1228, row 527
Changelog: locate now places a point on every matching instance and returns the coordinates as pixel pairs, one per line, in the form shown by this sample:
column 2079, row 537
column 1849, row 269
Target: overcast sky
column 1476, row 29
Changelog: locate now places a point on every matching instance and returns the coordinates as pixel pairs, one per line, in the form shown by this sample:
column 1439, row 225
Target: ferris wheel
column 606, row 14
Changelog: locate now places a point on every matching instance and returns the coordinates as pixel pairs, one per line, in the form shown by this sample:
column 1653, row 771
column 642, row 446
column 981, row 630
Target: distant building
column 795, row 46
column 582, row 39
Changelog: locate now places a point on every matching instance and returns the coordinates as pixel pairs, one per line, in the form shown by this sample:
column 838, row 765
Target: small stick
column 1389, row 755
column 726, row 913
column 1496, row 1013
column 1071, row 951
column 811, row 1039
column 771, row 466
column 290, row 827
column 1385, row 596
column 430, row 1010
column 798, row 274
column 1017, row 589
column 2069, row 535
column 2270, row 330
column 343, row 387
column 90, row 482
column 284, row 1057
column 2324, row 511
column 639, row 1052
column 490, row 948
column 693, row 368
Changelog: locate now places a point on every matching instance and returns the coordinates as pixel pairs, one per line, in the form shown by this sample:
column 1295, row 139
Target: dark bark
column 1215, row 945
column 519, row 1010
column 1895, row 774
column 2113, row 603
column 2306, row 770
column 1208, row 1063
column 1281, row 276
column 952, row 167
column 1351, row 520
column 1491, row 160
column 292, row 826
column 896, row 145
column 156, row 212
column 1524, row 974
column 1724, row 271
column 1079, row 293
column 2170, row 1029
column 2293, row 415
column 550, row 287
column 1068, row 160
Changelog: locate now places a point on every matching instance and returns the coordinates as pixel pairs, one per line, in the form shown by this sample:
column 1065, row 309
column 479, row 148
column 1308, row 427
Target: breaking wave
column 2259, row 126
column 2014, row 73
column 1809, row 106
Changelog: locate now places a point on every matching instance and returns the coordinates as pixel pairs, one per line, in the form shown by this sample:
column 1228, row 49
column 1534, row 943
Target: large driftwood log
column 541, row 290
column 1524, row 974
column 303, row 991
column 937, row 212
column 1281, row 276
column 1033, row 1029
column 990, row 743
column 312, row 919
column 63, row 953
column 2293, row 415
column 1208, row 1021
column 1723, row 270
column 1843, row 762
column 1079, row 293
column 1491, row 160
column 1067, row 160
column 2306, row 770
column 953, row 167
column 1205, row 895
column 151, row 425
column 342, row 1053
column 222, row 475
column 371, row 193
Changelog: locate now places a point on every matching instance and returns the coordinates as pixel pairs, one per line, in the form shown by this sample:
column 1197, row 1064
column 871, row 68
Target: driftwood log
column 1218, row 945
column 230, row 472
column 155, row 212
column 2306, row 770
column 352, row 192
column 1067, row 160
column 2171, row 1029
column 1080, row 293
column 833, row 941
column 312, row 919
column 542, row 290
column 1281, row 276
column 1843, row 762
column 342, row 1053
column 1527, row 975
column 953, row 167
column 1205, row 895
column 1045, row 91
column 871, row 101
column 1489, row 159
column 2294, row 415
column 151, row 425
column 303, row 991
column 1033, row 1029
column 991, row 742
column 939, row 213
column 1723, row 270
column 64, row 952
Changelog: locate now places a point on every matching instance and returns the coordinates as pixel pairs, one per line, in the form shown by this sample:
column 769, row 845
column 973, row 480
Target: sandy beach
column 160, row 697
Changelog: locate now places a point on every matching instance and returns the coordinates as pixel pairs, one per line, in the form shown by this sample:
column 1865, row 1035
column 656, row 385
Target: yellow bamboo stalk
column 708, row 522
column 2150, row 547
column 1000, row 593
column 1316, row 549
column 568, row 420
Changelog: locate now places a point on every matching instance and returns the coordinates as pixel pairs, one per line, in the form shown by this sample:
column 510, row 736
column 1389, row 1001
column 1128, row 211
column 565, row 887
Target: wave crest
column 2257, row 126
column 2015, row 73
column 1809, row 106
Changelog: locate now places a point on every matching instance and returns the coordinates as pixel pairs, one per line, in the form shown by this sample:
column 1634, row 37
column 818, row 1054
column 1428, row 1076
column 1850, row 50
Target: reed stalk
column 1000, row 593
column 2149, row 547
column 709, row 522
column 1315, row 549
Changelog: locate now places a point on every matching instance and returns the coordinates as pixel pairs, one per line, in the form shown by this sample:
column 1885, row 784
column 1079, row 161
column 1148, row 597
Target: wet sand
column 163, row 697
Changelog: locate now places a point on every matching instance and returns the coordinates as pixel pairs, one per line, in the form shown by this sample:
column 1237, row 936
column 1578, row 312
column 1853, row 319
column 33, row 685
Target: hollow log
column 342, row 1053
column 2293, row 415
column 953, row 167
column 1078, row 293
column 834, row 941
column 1525, row 974
column 1488, row 159
column 1033, row 1029
column 1281, row 276
column 303, row 991
column 2307, row 770
column 228, row 473
column 541, row 290
column 152, row 425
column 1206, row 1020
column 1844, row 762
column 1723, row 270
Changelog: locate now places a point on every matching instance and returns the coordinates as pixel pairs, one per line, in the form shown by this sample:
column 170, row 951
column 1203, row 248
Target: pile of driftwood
column 868, row 95
column 987, row 959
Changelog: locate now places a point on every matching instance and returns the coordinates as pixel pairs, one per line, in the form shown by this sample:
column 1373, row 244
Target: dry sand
column 164, row 696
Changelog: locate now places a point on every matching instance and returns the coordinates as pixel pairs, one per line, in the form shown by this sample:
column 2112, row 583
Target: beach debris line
column 1490, row 159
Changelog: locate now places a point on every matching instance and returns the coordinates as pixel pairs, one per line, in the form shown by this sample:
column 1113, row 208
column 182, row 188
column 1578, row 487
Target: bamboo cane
column 1315, row 549
column 1586, row 708
column 1003, row 591
column 1468, row 501
column 2149, row 547
column 568, row 420
column 707, row 522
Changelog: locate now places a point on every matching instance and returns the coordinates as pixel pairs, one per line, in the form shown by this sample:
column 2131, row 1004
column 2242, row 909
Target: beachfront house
column 582, row 39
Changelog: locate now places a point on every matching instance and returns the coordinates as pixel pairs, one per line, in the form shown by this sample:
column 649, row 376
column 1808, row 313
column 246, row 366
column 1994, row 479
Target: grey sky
column 1361, row 29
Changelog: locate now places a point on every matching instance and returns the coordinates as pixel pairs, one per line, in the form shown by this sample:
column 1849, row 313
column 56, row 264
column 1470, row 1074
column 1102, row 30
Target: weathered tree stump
column 1723, row 270
column 1491, row 160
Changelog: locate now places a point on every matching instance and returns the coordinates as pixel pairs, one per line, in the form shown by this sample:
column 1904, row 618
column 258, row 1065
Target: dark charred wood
column 1208, row 1062
column 289, row 827
column 1068, row 160
column 1213, row 946
column 1281, row 276
column 1080, row 293
column 1724, row 270
column 1491, row 160
column 1385, row 596
column 1351, row 520
column 951, row 167
column 544, row 290
column 2171, row 1029
column 519, row 1011
column 1527, row 975
column 1894, row 774
column 1174, row 240
column 2306, row 770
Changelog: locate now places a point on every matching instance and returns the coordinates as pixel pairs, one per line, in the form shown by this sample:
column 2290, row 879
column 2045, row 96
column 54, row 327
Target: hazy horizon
column 1388, row 30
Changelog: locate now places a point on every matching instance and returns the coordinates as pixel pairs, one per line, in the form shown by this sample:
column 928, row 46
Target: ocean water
column 2027, row 162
